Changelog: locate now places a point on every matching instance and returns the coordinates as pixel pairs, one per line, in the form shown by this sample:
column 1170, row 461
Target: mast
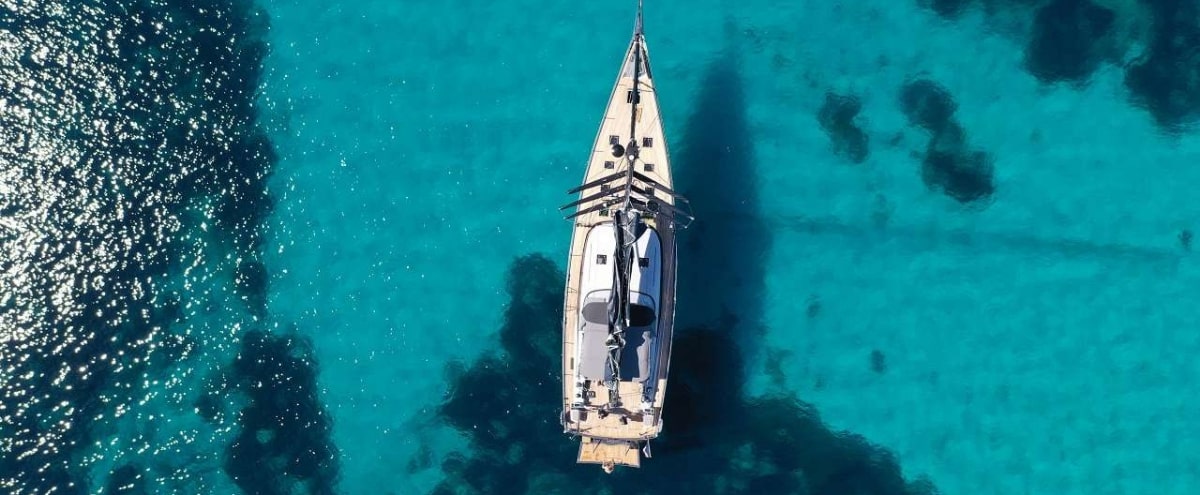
column 638, row 38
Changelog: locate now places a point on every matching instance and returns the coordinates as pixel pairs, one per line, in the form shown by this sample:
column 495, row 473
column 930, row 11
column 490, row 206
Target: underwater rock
column 252, row 281
column 773, row 366
column 1166, row 80
column 284, row 445
column 126, row 480
column 966, row 177
column 927, row 104
column 812, row 307
column 212, row 404
column 878, row 361
column 1065, row 45
column 951, row 167
column 948, row 9
column 836, row 117
column 948, row 165
column 421, row 461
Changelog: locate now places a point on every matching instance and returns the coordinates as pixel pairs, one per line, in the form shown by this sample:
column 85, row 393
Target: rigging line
column 634, row 101
column 637, row 28
column 597, row 182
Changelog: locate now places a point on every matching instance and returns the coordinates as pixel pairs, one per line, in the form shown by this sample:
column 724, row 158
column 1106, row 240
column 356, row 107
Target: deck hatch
column 609, row 164
column 649, row 167
column 647, row 142
column 614, row 139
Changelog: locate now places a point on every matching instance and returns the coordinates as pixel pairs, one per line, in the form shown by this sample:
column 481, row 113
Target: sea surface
column 311, row 247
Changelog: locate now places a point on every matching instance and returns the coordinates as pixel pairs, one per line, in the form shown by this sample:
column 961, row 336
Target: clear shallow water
column 333, row 267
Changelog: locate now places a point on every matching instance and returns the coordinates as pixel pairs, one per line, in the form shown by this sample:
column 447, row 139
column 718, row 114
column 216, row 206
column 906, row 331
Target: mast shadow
column 923, row 238
column 722, row 256
column 716, row 438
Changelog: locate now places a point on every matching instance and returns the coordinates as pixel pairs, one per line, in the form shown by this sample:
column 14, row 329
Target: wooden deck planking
column 609, row 452
column 616, row 123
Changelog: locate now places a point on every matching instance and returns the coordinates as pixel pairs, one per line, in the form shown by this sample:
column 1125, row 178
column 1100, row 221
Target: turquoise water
column 305, row 247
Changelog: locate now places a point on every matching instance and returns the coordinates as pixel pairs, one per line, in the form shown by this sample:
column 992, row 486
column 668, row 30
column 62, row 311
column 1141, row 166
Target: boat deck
column 653, row 164
column 611, row 426
column 601, row 452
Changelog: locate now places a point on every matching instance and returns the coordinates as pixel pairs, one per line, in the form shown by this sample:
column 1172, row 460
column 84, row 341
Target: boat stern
column 609, row 453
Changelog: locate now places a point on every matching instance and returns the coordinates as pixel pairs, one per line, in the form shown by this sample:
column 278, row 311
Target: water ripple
column 132, row 184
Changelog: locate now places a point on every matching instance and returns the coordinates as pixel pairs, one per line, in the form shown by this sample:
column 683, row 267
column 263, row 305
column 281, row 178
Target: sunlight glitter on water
column 124, row 127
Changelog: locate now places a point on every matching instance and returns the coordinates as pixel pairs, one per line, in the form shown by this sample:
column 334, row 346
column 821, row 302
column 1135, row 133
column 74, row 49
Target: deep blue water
column 285, row 246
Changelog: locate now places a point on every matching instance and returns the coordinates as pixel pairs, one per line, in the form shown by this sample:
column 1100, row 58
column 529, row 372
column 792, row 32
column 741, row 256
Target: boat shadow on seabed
column 717, row 440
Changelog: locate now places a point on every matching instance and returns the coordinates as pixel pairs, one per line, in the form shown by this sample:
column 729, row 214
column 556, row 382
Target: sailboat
column 619, row 309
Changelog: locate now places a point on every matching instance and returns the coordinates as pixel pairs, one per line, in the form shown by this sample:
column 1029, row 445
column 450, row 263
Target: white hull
column 613, row 394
